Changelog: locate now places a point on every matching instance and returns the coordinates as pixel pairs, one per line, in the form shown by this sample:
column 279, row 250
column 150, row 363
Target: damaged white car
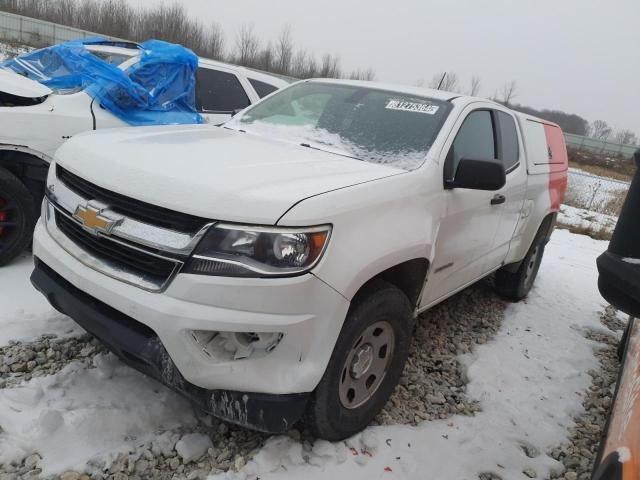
column 35, row 119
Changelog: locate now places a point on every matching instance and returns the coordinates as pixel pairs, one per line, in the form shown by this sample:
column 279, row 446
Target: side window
column 509, row 150
column 262, row 89
column 218, row 91
column 475, row 139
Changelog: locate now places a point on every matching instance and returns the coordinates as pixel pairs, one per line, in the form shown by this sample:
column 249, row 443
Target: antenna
column 442, row 80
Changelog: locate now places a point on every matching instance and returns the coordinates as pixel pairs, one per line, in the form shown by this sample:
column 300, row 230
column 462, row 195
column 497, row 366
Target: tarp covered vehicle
column 49, row 95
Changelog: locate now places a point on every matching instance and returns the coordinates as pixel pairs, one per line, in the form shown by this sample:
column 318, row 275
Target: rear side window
column 508, row 141
column 219, row 92
column 475, row 139
column 261, row 88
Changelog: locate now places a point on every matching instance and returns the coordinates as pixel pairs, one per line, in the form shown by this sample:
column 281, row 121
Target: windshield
column 364, row 123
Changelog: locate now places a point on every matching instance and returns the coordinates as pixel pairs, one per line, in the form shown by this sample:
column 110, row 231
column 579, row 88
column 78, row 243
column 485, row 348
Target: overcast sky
column 580, row 56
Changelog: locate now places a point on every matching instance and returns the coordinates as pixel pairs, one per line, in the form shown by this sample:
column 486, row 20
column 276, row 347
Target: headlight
column 247, row 251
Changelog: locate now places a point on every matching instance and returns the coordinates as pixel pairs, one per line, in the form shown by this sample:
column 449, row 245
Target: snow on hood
column 212, row 172
column 14, row 84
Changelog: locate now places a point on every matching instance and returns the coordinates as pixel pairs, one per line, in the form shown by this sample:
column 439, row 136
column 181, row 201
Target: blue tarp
column 158, row 90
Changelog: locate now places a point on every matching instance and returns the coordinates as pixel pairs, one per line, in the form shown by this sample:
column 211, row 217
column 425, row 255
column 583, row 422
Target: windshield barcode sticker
column 412, row 107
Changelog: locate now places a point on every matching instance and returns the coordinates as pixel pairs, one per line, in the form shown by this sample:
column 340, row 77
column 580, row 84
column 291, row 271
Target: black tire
column 17, row 217
column 381, row 304
column 516, row 285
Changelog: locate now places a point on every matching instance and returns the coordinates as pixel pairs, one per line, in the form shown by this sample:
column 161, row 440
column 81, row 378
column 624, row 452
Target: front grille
column 130, row 207
column 151, row 267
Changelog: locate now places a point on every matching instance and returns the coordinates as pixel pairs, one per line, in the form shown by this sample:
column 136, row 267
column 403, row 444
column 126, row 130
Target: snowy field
column 9, row 51
column 583, row 219
column 591, row 192
column 529, row 380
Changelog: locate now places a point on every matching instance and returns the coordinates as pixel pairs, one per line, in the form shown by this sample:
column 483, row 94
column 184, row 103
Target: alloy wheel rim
column 366, row 365
column 8, row 222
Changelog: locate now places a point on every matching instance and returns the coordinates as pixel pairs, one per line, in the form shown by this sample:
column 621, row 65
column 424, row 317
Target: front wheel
column 16, row 216
column 366, row 364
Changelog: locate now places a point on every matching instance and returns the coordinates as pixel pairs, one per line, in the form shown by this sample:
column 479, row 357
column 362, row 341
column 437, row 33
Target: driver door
column 471, row 219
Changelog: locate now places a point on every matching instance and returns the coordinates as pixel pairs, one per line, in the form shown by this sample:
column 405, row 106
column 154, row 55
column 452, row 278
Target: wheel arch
column 409, row 277
column 545, row 229
column 28, row 165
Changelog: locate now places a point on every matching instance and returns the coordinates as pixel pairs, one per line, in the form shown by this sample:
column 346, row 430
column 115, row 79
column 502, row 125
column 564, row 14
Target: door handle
column 498, row 199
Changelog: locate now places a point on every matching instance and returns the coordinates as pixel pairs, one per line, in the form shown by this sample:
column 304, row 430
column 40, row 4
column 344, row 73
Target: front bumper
column 304, row 309
column 139, row 347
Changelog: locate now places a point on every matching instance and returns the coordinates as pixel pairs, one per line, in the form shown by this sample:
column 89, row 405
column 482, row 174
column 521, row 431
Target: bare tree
column 445, row 81
column 215, row 46
column 312, row 69
column 626, row 137
column 246, row 46
column 474, row 88
column 368, row 74
column 600, row 130
column 299, row 64
column 266, row 59
column 171, row 22
column 330, row 67
column 284, row 51
column 509, row 92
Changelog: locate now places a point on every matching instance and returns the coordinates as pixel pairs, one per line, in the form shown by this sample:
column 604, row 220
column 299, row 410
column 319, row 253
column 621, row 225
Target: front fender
column 376, row 225
column 7, row 147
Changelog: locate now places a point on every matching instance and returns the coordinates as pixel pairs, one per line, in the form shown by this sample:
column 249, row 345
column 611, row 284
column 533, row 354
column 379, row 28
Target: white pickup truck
column 271, row 270
column 35, row 121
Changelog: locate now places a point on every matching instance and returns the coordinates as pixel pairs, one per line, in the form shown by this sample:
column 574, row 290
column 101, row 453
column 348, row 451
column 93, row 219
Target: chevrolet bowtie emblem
column 93, row 220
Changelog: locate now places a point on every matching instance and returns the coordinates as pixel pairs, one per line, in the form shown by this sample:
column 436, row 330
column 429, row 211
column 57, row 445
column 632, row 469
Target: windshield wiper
column 329, row 150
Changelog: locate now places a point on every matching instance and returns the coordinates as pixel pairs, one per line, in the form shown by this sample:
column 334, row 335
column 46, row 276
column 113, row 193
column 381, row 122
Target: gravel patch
column 20, row 362
column 611, row 319
column 229, row 449
column 434, row 382
column 579, row 454
column 432, row 387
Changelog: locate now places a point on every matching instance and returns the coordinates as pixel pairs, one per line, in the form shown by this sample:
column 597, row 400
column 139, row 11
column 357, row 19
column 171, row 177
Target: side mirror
column 478, row 174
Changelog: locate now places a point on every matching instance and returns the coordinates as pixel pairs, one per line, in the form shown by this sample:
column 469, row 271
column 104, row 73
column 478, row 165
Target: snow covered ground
column 595, row 193
column 530, row 381
column 9, row 51
column 586, row 219
column 25, row 314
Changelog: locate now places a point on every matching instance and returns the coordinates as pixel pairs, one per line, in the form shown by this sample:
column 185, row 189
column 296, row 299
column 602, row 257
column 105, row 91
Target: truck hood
column 211, row 172
column 14, row 84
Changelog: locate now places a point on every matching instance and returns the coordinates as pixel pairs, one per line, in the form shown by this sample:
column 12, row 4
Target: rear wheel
column 366, row 364
column 16, row 216
column 517, row 285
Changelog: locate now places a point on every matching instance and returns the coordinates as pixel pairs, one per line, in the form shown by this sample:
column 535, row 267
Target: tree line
column 116, row 18
column 507, row 93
